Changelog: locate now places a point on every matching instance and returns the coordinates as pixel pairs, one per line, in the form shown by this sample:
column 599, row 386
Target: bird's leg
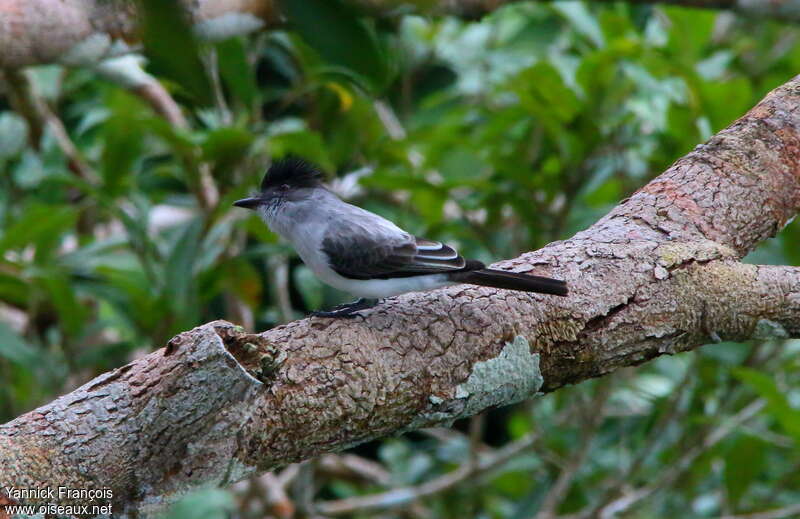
column 348, row 311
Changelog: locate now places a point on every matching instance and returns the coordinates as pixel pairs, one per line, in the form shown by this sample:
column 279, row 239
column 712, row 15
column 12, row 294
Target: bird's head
column 288, row 179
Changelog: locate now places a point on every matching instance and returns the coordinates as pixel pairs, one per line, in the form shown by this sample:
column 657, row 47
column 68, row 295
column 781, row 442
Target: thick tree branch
column 659, row 274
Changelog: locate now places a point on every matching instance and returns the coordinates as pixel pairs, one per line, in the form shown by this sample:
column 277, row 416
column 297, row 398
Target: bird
column 360, row 252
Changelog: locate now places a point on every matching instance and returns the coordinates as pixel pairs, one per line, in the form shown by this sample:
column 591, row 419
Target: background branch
column 84, row 32
column 39, row 116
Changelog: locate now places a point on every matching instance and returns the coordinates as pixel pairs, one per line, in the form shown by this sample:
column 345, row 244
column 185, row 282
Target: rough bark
column 85, row 32
column 659, row 275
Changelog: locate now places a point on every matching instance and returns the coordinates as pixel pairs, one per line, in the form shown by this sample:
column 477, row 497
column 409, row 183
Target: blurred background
column 496, row 135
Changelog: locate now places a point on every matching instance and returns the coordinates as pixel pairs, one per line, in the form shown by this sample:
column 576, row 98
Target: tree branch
column 778, row 513
column 660, row 274
column 128, row 71
column 39, row 116
column 786, row 10
column 676, row 469
column 403, row 496
column 558, row 491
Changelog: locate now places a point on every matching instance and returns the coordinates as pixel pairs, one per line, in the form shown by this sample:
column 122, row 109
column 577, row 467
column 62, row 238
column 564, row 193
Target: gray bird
column 362, row 253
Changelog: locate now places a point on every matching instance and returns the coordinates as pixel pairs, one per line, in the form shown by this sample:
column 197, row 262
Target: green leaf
column 743, row 463
column 15, row 348
column 461, row 165
column 178, row 273
column 13, row 133
column 238, row 276
column 777, row 403
column 128, row 291
column 335, row 30
column 37, row 222
column 542, row 91
column 407, row 465
column 430, row 203
column 790, row 238
column 309, row 286
column 227, row 146
column 13, row 289
column 581, row 19
column 208, row 503
column 724, row 101
column 123, row 139
column 235, row 70
column 61, row 294
column 690, row 33
column 307, row 144
column 30, row 170
column 171, row 47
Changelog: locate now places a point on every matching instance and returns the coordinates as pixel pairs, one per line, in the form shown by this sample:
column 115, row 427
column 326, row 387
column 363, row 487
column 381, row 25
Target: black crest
column 292, row 171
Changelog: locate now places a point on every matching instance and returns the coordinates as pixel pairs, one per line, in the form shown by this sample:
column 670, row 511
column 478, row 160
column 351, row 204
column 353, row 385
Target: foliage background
column 496, row 135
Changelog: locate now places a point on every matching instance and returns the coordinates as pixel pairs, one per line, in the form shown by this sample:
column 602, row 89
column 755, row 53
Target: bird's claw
column 344, row 314
column 346, row 311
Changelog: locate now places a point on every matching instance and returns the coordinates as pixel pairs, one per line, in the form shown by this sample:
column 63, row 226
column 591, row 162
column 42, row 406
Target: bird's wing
column 363, row 251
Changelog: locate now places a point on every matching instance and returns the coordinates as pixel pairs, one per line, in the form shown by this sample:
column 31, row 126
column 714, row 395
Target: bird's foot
column 348, row 310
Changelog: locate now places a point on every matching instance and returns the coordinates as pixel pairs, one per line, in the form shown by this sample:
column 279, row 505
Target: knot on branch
column 258, row 356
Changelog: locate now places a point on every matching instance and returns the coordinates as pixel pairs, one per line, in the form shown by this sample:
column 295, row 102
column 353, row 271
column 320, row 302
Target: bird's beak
column 248, row 203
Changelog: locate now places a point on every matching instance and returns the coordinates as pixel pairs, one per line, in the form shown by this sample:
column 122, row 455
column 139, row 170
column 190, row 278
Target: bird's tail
column 511, row 281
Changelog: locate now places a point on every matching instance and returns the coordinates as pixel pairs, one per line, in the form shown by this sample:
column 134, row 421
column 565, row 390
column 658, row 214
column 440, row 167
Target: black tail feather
column 511, row 281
